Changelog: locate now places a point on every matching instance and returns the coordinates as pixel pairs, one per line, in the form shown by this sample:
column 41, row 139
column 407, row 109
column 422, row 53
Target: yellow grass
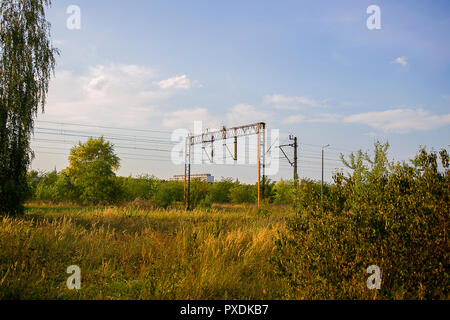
column 127, row 253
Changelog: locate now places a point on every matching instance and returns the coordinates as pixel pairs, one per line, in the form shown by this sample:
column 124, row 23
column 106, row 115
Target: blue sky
column 313, row 69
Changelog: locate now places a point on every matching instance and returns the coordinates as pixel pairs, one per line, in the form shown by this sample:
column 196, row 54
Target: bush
column 242, row 193
column 284, row 192
column 143, row 187
column 199, row 192
column 392, row 216
column 65, row 190
column 219, row 192
column 168, row 193
column 96, row 184
column 45, row 186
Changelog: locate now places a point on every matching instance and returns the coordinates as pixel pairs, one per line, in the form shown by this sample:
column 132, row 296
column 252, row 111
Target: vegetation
column 90, row 175
column 394, row 216
column 26, row 63
column 127, row 253
column 299, row 244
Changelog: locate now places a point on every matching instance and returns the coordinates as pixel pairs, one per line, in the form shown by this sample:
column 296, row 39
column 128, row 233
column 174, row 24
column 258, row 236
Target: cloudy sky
column 310, row 68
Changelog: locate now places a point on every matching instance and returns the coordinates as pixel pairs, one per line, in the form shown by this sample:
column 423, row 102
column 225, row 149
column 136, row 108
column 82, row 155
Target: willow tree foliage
column 26, row 65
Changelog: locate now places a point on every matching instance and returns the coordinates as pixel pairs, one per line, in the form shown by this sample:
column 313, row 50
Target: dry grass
column 127, row 253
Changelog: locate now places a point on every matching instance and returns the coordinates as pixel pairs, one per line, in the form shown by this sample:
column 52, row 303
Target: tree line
column 90, row 178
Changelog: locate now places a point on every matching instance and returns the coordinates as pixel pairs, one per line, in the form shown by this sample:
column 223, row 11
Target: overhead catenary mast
column 224, row 134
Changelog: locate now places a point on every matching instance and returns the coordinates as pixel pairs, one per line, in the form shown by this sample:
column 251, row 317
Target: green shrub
column 45, row 187
column 168, row 193
column 199, row 191
column 143, row 187
column 242, row 193
column 219, row 192
column 392, row 216
column 284, row 192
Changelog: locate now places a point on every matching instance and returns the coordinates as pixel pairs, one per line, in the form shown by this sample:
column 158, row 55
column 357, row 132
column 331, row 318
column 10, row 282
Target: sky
column 137, row 71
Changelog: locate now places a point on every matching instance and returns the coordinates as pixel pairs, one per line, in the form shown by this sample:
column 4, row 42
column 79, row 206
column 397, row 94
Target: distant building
column 202, row 176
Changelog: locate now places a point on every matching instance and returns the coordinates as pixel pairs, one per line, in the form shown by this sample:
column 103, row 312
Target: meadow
column 132, row 253
column 393, row 216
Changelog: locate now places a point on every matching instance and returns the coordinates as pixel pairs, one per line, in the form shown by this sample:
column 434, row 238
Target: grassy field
column 130, row 253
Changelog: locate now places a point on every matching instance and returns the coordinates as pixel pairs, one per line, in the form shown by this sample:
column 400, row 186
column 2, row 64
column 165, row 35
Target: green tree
column 168, row 193
column 91, row 171
column 199, row 191
column 143, row 187
column 27, row 61
column 46, row 187
column 269, row 190
column 284, row 192
column 220, row 191
column 244, row 193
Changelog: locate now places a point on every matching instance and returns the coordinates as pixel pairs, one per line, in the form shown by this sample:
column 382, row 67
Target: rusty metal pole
column 189, row 178
column 259, row 164
column 212, row 149
column 185, row 172
column 235, row 148
column 295, row 162
column 263, row 147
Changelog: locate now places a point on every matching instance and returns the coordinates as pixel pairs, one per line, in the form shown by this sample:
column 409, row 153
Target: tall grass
column 127, row 253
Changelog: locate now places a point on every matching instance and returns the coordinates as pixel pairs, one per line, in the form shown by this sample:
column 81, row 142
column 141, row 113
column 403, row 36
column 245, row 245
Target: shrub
column 199, row 191
column 284, row 192
column 242, row 193
column 45, row 188
column 168, row 193
column 219, row 192
column 143, row 187
column 392, row 216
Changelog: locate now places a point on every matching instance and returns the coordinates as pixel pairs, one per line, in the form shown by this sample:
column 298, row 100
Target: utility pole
column 294, row 162
column 187, row 175
column 224, row 134
column 321, row 187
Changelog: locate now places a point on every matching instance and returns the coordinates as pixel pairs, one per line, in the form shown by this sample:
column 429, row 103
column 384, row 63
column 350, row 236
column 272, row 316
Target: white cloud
column 371, row 134
column 290, row 103
column 400, row 120
column 319, row 118
column 185, row 118
column 325, row 118
column 242, row 114
column 239, row 114
column 401, row 60
column 121, row 95
column 179, row 82
column 296, row 118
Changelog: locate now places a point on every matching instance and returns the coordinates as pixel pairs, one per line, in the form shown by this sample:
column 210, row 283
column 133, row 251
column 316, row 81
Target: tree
column 244, row 193
column 91, row 171
column 142, row 187
column 284, row 192
column 220, row 191
column 26, row 65
column 168, row 193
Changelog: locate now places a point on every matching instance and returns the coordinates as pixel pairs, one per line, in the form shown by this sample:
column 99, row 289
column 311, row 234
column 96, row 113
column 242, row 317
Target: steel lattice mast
column 224, row 134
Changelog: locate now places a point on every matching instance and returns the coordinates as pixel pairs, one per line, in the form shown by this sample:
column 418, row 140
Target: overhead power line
column 102, row 127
